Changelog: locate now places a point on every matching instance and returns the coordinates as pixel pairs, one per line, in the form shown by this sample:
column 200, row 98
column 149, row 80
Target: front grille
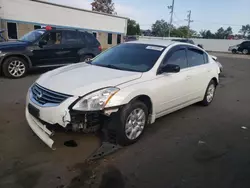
column 43, row 96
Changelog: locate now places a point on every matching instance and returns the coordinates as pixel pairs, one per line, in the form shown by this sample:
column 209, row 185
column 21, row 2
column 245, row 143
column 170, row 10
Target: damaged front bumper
column 48, row 119
column 39, row 129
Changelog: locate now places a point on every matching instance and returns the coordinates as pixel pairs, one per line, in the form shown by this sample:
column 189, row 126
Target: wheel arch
column 215, row 80
column 26, row 58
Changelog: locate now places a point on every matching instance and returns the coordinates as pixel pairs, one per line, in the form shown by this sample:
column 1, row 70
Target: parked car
column 244, row 48
column 129, row 38
column 45, row 48
column 187, row 41
column 122, row 90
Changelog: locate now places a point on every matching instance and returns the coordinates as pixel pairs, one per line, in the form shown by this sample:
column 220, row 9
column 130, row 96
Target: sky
column 206, row 14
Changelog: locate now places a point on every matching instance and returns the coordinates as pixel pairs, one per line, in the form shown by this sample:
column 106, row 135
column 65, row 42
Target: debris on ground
column 205, row 153
column 243, row 127
column 70, row 143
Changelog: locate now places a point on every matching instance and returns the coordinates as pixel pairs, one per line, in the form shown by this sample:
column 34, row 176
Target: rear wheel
column 245, row 51
column 209, row 95
column 15, row 67
column 86, row 58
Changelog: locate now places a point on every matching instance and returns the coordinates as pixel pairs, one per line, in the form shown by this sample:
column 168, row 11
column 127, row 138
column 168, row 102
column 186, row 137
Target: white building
column 21, row 16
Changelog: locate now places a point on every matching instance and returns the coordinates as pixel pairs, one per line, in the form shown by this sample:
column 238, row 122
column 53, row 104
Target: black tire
column 206, row 101
column 115, row 127
column 125, row 112
column 8, row 61
column 85, row 57
column 234, row 51
column 245, row 51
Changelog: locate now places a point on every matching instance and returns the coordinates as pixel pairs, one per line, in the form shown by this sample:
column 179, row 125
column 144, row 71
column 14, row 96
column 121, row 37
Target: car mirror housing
column 42, row 42
column 170, row 68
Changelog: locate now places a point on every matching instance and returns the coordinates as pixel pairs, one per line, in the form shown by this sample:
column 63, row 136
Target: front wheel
column 234, row 51
column 133, row 119
column 209, row 95
column 15, row 67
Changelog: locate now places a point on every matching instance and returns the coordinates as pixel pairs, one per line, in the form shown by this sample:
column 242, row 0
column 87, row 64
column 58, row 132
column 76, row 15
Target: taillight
column 100, row 48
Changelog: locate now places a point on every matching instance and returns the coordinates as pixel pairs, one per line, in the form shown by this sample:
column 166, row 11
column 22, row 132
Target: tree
column 220, row 34
column 160, row 28
column 133, row 28
column 207, row 34
column 105, row 6
column 228, row 32
column 245, row 29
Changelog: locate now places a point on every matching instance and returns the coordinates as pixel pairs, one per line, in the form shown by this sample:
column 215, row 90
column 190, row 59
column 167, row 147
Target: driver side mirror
column 42, row 43
column 170, row 68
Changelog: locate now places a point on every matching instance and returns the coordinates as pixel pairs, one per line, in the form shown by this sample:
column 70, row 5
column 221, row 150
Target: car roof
column 153, row 42
column 159, row 42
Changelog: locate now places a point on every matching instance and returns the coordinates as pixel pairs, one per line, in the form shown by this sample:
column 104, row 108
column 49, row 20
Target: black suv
column 46, row 47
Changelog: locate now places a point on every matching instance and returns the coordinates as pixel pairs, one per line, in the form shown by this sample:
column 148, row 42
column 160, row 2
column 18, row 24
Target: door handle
column 188, row 77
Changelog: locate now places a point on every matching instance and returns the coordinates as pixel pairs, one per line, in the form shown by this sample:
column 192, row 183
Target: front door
column 172, row 88
column 49, row 51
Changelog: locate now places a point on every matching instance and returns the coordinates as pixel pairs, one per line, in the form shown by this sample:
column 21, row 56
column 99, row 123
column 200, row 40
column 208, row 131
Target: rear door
column 92, row 45
column 199, row 72
column 71, row 45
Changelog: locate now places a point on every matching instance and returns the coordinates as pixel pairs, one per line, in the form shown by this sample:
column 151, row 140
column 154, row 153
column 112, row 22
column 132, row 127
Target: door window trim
column 193, row 48
column 170, row 52
column 53, row 31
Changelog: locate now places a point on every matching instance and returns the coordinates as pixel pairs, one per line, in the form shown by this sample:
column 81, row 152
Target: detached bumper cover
column 39, row 129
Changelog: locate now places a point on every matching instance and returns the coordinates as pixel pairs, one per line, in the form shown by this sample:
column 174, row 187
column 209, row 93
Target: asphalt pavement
column 196, row 147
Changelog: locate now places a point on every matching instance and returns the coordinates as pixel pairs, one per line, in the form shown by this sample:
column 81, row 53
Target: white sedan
column 122, row 90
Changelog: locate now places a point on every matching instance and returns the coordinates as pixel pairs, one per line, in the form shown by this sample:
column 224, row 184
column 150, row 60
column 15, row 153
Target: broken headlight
column 95, row 101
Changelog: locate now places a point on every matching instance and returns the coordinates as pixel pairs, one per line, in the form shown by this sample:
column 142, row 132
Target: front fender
column 125, row 95
column 5, row 55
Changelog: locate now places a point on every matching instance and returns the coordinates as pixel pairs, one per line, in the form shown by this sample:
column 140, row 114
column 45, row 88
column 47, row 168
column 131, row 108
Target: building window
column 37, row 27
column 118, row 39
column 95, row 34
column 12, row 30
column 109, row 38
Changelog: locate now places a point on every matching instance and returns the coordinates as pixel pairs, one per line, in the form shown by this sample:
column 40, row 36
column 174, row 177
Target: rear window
column 131, row 57
column 89, row 39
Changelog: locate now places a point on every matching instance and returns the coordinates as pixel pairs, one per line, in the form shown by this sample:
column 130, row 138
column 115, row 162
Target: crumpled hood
column 80, row 79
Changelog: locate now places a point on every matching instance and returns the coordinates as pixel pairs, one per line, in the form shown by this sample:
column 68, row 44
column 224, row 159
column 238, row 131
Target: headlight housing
column 95, row 101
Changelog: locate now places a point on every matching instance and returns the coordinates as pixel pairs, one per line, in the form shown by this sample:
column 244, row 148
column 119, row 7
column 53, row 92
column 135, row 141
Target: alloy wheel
column 16, row 68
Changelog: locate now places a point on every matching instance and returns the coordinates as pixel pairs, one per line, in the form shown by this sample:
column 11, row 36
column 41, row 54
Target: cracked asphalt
column 196, row 147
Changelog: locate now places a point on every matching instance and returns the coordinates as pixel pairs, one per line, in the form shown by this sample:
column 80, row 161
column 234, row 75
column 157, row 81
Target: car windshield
column 32, row 36
column 130, row 57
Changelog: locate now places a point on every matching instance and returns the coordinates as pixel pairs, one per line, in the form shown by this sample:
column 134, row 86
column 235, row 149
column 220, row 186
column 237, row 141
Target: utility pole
column 171, row 17
column 189, row 21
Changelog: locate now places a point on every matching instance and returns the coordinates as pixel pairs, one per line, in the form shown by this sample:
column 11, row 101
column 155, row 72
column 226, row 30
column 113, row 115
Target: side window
column 178, row 58
column 70, row 37
column 195, row 57
column 37, row 27
column 12, row 30
column 118, row 39
column 53, row 38
column 109, row 38
column 89, row 39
